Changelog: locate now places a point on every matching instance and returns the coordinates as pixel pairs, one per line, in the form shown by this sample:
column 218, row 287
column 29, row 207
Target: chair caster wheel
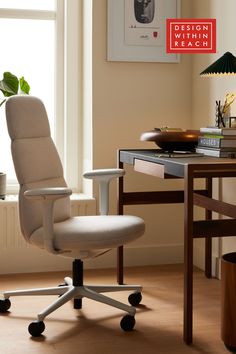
column 5, row 305
column 127, row 323
column 36, row 328
column 230, row 348
column 135, row 298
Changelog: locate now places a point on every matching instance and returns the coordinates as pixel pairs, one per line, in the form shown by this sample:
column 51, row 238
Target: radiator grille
column 16, row 255
column 10, row 234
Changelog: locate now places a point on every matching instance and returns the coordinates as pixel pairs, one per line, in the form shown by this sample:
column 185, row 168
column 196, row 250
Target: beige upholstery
column 93, row 232
column 45, row 219
column 37, row 163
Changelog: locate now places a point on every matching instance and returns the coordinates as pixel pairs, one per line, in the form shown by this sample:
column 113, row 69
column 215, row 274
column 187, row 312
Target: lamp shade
column 225, row 65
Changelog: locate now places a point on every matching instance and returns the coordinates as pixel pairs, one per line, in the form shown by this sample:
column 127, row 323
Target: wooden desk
column 146, row 161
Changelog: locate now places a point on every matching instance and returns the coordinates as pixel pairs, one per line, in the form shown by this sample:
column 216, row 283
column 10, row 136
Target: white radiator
column 10, row 235
column 16, row 255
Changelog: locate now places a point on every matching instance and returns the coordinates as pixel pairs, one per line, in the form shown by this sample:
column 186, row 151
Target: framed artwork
column 136, row 30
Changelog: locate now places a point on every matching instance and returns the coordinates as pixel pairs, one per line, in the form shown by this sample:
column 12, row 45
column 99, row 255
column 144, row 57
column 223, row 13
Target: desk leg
column 120, row 265
column 120, row 250
column 208, row 240
column 188, row 255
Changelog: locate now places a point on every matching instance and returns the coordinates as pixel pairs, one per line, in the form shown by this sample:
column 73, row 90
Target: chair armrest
column 47, row 196
column 104, row 176
column 47, row 193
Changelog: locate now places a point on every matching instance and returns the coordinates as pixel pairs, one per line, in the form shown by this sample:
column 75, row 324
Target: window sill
column 74, row 197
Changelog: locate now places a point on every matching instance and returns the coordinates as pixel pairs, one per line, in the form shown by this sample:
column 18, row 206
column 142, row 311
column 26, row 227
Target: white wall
column 207, row 90
column 128, row 99
column 174, row 95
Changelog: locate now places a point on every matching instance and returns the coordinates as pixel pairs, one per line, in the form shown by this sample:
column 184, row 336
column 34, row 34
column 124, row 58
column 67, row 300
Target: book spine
column 209, row 142
column 212, row 130
column 216, row 153
column 218, row 131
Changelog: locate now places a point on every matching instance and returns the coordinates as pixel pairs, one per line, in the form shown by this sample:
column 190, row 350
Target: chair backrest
column 36, row 160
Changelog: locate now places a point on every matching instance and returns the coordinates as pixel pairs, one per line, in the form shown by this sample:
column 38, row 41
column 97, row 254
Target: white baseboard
column 199, row 261
column 31, row 259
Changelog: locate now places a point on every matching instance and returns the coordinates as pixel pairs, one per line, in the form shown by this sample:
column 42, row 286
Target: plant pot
column 2, row 185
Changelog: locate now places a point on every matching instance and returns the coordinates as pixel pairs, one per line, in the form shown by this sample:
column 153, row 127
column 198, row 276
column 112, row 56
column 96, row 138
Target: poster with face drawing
column 136, row 30
column 144, row 23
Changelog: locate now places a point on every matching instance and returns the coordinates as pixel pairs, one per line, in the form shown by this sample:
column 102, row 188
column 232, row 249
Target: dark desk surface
column 175, row 166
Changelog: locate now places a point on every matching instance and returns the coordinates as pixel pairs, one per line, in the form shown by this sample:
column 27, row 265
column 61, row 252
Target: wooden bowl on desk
column 171, row 141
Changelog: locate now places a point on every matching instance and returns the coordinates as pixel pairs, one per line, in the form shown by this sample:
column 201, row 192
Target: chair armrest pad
column 104, row 174
column 47, row 193
column 103, row 177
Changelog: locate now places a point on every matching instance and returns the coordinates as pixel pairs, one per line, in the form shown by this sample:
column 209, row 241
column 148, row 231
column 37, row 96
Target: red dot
column 155, row 34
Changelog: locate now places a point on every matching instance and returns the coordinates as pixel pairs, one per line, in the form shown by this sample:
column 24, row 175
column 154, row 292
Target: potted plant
column 10, row 85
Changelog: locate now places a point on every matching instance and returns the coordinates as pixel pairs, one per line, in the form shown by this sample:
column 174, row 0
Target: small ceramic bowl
column 172, row 140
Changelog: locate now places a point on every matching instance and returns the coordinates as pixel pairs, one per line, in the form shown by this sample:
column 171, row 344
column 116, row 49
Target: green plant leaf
column 24, row 86
column 9, row 84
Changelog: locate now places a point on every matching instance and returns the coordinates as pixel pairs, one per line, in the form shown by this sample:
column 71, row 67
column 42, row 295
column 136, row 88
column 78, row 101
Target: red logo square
column 191, row 35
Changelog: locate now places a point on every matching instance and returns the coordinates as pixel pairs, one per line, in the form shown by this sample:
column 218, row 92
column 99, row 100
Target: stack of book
column 218, row 142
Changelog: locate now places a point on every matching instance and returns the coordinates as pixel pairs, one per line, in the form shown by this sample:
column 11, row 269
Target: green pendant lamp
column 225, row 65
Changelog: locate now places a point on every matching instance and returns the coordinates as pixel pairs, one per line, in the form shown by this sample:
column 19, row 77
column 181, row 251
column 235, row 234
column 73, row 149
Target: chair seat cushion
column 93, row 232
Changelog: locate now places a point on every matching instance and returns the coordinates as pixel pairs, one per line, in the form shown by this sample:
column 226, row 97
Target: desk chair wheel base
column 5, row 305
column 127, row 323
column 36, row 328
column 135, row 298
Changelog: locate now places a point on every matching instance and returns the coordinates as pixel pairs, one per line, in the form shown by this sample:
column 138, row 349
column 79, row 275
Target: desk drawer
column 150, row 168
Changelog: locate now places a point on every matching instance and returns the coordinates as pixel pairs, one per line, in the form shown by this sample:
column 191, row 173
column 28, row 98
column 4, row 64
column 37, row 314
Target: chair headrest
column 26, row 117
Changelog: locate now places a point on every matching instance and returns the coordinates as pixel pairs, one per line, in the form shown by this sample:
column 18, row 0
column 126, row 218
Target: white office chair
column 44, row 208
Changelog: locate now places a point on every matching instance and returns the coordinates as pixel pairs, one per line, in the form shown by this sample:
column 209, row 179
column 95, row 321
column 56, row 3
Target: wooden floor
column 95, row 329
